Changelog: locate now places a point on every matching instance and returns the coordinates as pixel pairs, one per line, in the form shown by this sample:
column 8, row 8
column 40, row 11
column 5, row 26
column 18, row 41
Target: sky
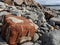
column 49, row 2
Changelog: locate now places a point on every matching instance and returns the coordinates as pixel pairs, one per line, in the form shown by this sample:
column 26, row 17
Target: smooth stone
column 19, row 2
column 36, row 37
column 27, row 43
column 4, row 13
column 36, row 44
column 51, row 38
column 2, row 5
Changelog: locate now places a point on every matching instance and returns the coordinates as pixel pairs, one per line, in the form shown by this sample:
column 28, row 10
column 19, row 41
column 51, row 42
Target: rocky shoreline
column 47, row 21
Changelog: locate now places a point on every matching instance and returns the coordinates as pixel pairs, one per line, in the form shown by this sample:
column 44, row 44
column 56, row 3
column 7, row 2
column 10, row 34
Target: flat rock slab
column 2, row 42
column 56, row 20
column 27, row 43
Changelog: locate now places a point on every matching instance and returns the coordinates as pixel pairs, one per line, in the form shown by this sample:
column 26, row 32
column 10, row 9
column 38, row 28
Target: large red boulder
column 15, row 29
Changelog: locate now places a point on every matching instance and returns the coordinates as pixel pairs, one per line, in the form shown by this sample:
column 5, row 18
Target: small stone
column 27, row 43
column 51, row 38
column 19, row 2
column 39, row 41
column 36, row 37
column 9, row 2
column 36, row 44
column 56, row 20
column 2, row 5
column 4, row 13
column 24, row 39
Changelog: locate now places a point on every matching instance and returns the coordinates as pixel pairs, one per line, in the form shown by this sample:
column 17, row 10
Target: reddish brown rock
column 49, row 14
column 27, row 2
column 9, row 2
column 19, row 2
column 17, row 28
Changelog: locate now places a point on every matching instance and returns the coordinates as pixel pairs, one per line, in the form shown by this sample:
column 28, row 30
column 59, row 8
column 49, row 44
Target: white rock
column 24, row 39
column 15, row 20
column 36, row 37
column 27, row 43
column 2, row 5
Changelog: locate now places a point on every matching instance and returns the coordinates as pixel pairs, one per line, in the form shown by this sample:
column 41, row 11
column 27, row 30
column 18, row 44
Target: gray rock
column 52, row 38
column 39, row 41
column 28, row 8
column 13, row 10
column 2, row 5
column 36, row 44
column 52, row 23
column 56, row 20
column 4, row 13
column 2, row 42
column 44, row 28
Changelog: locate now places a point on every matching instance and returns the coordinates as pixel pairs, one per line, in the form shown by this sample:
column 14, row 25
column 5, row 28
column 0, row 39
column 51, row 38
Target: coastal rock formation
column 45, row 20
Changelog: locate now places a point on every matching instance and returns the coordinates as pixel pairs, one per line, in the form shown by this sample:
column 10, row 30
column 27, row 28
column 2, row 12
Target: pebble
column 2, row 5
column 36, row 44
column 27, row 43
column 36, row 37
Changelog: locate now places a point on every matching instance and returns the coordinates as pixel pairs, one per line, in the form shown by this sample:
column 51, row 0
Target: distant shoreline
column 56, row 7
column 51, row 5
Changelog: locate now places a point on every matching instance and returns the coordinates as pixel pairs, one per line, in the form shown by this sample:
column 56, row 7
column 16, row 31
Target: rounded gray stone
column 2, row 5
column 36, row 44
column 51, row 38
